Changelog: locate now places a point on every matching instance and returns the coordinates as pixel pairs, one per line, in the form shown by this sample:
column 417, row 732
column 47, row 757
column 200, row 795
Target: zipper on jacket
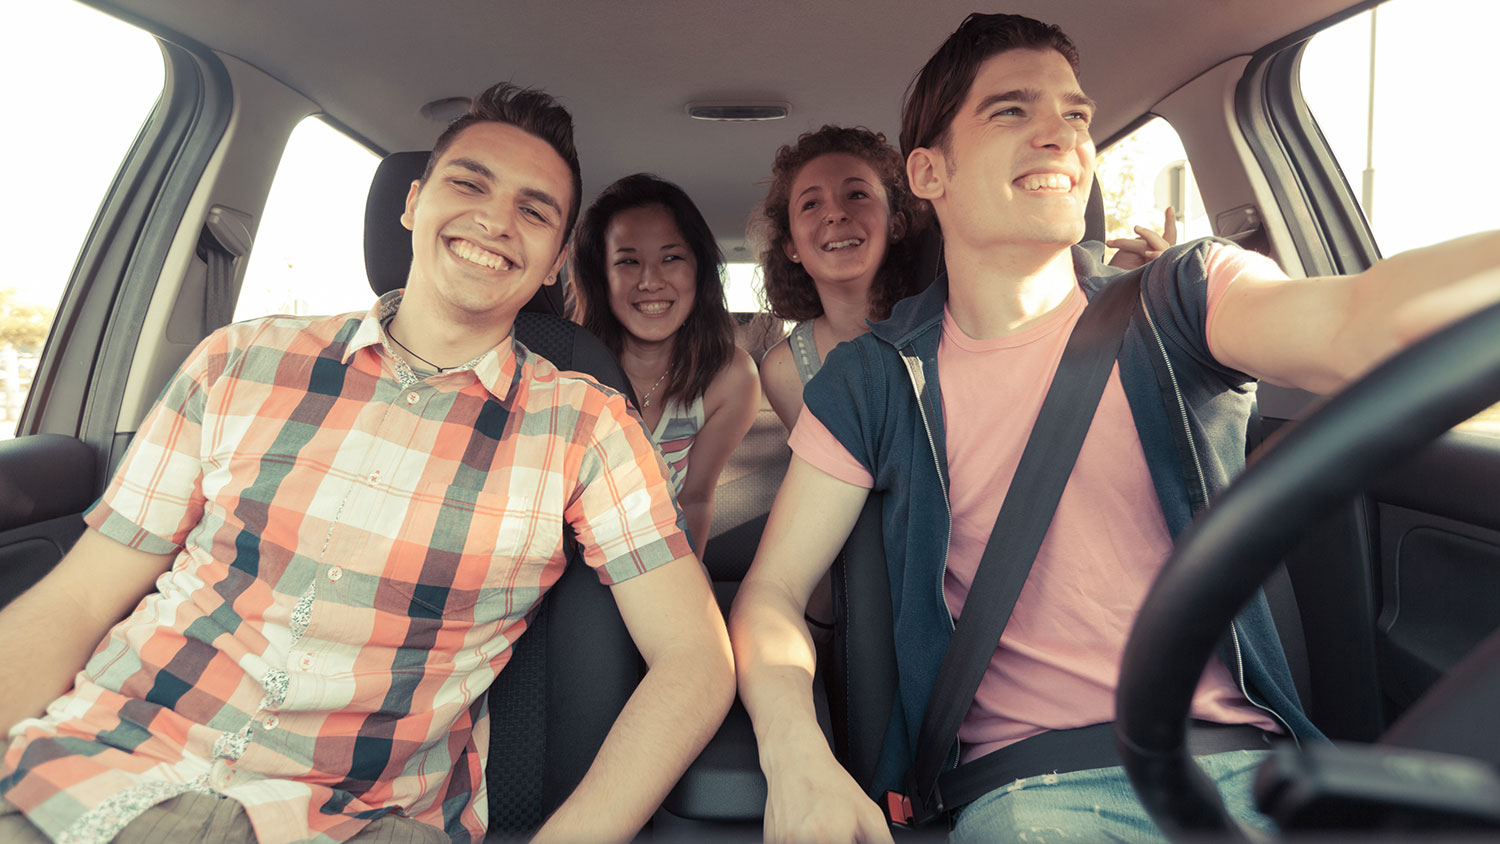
column 917, row 379
column 1239, row 664
column 1234, row 635
column 912, row 365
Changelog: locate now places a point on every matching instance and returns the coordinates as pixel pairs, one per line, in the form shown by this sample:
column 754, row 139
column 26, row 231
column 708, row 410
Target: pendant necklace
column 405, row 348
column 646, row 400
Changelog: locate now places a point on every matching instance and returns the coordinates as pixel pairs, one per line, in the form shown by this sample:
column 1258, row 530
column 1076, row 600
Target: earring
column 796, row 257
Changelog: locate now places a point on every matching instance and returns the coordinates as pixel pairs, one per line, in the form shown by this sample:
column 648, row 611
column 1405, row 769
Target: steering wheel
column 1307, row 470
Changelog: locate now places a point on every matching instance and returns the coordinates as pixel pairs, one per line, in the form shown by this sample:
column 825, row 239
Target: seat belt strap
column 226, row 236
column 1042, row 474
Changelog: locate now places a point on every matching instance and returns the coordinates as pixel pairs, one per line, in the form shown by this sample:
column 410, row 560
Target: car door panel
column 1394, row 588
column 46, row 482
column 1439, row 561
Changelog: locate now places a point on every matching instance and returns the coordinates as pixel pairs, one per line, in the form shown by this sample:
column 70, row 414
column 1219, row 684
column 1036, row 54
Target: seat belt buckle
column 904, row 811
column 898, row 809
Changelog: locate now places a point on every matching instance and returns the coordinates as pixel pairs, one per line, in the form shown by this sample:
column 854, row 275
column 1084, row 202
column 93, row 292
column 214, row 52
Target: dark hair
column 789, row 290
column 529, row 110
column 705, row 342
column 941, row 86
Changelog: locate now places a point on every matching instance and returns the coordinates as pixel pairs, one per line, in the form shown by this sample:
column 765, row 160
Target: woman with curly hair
column 839, row 249
column 647, row 272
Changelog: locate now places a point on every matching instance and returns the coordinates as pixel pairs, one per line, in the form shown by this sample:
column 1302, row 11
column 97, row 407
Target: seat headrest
column 1093, row 214
column 388, row 243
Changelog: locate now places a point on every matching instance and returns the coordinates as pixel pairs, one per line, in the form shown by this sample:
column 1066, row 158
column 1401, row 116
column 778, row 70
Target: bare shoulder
column 778, row 355
column 737, row 383
column 782, row 383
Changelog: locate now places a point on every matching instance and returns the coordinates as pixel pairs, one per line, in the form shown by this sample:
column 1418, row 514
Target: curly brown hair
column 789, row 292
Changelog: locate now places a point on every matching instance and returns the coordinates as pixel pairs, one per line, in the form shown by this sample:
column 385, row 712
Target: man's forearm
column 775, row 660
column 672, row 714
column 47, row 637
column 49, row 632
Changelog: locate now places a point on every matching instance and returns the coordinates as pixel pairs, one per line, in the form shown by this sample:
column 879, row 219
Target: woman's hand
column 1135, row 251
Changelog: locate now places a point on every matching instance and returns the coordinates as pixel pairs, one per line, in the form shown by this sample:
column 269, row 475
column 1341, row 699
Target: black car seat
column 572, row 672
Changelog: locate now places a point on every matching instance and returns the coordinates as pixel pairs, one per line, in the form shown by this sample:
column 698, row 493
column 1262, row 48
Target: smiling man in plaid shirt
column 328, row 533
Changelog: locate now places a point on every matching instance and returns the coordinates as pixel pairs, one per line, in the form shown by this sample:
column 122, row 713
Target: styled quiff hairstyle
column 532, row 111
column 789, row 290
column 705, row 342
column 944, row 82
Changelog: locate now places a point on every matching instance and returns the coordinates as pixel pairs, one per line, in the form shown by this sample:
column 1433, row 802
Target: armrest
column 725, row 782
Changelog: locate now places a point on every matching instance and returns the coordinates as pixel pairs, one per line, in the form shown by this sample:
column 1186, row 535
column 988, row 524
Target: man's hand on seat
column 811, row 798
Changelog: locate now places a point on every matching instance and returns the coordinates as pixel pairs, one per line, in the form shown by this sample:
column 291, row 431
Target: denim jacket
column 879, row 395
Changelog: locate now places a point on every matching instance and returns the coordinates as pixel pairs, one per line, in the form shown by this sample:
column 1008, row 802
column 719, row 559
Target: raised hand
column 1135, row 251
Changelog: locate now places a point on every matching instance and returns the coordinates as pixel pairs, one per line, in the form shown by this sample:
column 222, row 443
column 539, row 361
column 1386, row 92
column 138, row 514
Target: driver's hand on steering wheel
column 811, row 799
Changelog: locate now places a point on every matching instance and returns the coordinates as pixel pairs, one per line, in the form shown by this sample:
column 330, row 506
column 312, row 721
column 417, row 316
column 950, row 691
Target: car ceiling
column 627, row 69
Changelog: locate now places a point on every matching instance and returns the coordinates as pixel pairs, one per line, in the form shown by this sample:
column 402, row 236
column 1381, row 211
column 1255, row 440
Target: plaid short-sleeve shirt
column 356, row 549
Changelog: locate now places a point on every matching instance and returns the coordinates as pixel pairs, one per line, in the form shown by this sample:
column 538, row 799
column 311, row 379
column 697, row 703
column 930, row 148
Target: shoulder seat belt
column 1030, row 502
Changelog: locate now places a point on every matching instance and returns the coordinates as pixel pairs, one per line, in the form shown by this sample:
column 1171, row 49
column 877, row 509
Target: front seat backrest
column 862, row 677
column 572, row 672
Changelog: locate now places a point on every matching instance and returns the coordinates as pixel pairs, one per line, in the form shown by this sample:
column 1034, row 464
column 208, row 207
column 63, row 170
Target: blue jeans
column 1096, row 805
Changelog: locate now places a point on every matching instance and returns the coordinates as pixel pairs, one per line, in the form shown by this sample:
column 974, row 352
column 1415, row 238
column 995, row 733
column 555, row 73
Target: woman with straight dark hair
column 647, row 272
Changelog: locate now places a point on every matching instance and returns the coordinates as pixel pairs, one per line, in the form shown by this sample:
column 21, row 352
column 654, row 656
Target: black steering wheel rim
column 1218, row 563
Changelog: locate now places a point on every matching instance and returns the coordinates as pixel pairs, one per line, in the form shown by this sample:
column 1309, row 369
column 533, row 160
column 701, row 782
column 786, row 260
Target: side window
column 98, row 92
column 308, row 256
column 1145, row 173
column 1401, row 95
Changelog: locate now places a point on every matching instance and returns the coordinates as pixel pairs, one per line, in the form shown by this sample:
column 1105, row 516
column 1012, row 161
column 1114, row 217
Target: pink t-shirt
column 1057, row 665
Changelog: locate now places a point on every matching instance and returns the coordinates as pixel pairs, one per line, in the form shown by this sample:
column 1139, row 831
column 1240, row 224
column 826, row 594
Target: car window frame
column 1314, row 199
column 100, row 315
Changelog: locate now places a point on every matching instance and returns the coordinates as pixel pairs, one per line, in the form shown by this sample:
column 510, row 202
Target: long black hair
column 705, row 342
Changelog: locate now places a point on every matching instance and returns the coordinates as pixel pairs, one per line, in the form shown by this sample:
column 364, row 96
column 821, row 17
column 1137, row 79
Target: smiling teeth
column 1046, row 181
column 477, row 255
column 842, row 244
column 653, row 308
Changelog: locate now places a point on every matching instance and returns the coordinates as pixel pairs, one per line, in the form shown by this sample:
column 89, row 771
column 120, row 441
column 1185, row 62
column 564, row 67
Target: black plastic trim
column 44, row 477
column 27, row 553
column 197, row 116
column 1322, row 213
column 1458, row 477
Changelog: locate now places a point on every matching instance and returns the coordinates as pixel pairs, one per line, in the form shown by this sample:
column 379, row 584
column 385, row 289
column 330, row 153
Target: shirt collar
column 495, row 369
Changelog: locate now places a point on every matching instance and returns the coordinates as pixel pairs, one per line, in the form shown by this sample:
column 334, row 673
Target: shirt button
column 271, row 722
column 335, row 573
column 374, row 477
column 305, row 662
column 412, row 398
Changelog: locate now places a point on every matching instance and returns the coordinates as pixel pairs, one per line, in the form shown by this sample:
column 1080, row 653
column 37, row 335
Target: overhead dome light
column 738, row 112
column 446, row 110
